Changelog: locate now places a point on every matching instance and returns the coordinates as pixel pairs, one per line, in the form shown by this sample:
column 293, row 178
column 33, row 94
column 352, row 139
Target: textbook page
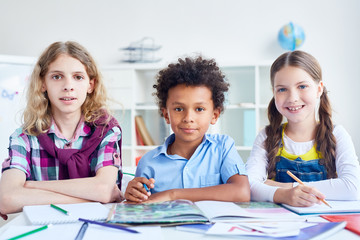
column 228, row 211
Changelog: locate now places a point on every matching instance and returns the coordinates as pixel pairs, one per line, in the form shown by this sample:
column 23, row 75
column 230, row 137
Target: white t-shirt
column 345, row 187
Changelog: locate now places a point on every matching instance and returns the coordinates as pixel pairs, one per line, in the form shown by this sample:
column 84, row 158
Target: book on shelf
column 336, row 207
column 145, row 136
column 352, row 221
column 184, row 211
column 139, row 140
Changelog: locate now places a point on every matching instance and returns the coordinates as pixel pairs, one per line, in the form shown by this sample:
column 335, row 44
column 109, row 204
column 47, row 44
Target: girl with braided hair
column 308, row 145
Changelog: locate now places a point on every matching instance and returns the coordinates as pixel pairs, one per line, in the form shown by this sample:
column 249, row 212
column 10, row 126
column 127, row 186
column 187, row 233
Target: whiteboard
column 14, row 76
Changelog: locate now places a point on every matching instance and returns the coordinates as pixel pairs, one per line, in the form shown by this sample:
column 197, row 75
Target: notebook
column 336, row 207
column 352, row 221
column 184, row 211
column 44, row 214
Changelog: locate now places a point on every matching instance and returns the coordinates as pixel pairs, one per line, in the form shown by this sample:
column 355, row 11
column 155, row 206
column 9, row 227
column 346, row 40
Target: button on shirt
column 214, row 161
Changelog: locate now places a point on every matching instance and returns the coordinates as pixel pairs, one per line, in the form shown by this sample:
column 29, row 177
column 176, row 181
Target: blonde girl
column 68, row 148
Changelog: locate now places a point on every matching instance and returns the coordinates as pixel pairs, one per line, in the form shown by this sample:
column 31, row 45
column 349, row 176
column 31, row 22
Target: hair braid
column 273, row 132
column 325, row 139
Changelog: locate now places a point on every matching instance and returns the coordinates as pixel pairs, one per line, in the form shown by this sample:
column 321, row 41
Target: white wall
column 228, row 30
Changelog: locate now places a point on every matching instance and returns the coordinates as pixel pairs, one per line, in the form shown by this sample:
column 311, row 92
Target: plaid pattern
column 26, row 154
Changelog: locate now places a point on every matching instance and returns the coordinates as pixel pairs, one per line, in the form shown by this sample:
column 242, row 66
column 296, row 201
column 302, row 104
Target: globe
column 291, row 36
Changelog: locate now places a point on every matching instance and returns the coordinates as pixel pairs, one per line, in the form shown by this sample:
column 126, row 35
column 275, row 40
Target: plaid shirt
column 24, row 152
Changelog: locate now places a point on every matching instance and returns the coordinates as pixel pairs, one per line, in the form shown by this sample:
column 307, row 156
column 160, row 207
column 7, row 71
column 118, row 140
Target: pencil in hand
column 300, row 182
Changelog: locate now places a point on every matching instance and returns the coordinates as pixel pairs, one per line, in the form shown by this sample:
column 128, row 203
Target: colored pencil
column 31, row 232
column 109, row 225
column 59, row 209
column 300, row 182
column 129, row 174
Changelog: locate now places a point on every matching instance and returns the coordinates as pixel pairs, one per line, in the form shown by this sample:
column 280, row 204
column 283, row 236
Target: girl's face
column 190, row 111
column 296, row 94
column 67, row 84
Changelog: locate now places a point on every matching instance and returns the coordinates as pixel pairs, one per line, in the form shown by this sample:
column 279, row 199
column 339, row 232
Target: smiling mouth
column 295, row 108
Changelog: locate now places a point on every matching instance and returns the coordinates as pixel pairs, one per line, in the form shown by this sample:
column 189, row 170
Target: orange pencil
column 300, row 182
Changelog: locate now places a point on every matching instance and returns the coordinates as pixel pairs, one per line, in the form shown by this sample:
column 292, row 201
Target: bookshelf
column 130, row 88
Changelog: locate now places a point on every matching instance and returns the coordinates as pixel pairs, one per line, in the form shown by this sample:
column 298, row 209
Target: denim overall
column 307, row 167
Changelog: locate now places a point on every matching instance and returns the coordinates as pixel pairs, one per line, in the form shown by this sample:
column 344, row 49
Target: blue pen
column 146, row 188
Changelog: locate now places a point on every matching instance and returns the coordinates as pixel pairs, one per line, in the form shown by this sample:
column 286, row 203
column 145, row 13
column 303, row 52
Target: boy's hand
column 136, row 192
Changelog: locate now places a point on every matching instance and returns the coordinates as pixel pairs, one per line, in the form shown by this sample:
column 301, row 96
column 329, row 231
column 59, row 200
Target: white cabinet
column 131, row 88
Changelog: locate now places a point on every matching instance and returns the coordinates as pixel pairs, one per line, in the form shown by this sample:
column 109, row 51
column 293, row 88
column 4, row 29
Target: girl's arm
column 14, row 195
column 256, row 169
column 235, row 190
column 347, row 185
column 100, row 188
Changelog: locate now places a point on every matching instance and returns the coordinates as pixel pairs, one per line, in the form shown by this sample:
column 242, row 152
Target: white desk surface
column 173, row 234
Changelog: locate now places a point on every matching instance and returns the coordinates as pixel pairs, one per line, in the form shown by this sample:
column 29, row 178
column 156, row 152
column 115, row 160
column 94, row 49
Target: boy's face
column 190, row 111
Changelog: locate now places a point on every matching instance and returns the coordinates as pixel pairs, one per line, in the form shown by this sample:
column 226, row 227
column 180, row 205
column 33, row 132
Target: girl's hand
column 117, row 195
column 135, row 191
column 299, row 196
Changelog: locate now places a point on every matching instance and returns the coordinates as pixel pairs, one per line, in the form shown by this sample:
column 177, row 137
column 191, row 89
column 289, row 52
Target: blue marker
column 146, row 188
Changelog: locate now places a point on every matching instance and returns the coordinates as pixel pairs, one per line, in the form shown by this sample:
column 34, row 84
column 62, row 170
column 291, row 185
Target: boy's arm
column 100, row 188
column 14, row 195
column 236, row 189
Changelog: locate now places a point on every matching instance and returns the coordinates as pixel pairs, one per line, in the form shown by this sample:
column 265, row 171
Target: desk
column 173, row 234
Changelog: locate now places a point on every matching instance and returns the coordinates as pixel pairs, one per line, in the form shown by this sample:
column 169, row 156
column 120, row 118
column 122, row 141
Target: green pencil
column 60, row 209
column 129, row 174
column 31, row 232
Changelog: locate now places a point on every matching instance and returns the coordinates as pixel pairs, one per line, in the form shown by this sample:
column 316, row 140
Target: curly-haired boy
column 191, row 164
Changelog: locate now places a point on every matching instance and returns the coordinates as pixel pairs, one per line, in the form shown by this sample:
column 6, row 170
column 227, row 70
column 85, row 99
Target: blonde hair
column 37, row 114
column 325, row 140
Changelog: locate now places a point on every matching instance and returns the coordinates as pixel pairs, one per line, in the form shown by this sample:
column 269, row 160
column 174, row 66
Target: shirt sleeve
column 142, row 169
column 347, row 185
column 232, row 163
column 256, row 166
column 19, row 153
column 109, row 150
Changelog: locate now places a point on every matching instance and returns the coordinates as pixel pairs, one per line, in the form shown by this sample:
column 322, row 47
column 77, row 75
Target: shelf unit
column 130, row 88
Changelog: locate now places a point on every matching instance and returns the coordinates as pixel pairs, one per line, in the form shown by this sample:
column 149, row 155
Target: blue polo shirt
column 214, row 161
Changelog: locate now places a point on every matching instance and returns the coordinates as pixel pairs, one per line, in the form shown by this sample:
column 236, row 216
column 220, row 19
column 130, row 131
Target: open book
column 336, row 207
column 184, row 211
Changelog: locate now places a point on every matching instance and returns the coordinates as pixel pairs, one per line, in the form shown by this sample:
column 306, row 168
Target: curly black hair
column 192, row 72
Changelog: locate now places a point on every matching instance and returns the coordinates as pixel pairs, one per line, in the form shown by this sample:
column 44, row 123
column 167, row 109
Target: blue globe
column 291, row 36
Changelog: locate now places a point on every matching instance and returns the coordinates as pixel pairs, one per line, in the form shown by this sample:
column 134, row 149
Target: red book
column 352, row 221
